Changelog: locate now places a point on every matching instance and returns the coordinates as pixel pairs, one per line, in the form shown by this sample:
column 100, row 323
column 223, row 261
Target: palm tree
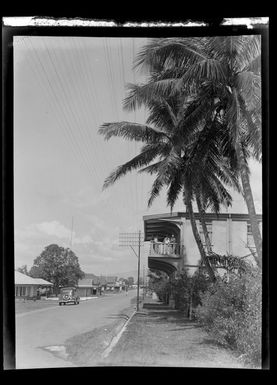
column 185, row 165
column 230, row 68
column 186, row 124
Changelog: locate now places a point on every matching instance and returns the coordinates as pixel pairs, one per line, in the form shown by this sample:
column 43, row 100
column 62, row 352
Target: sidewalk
column 161, row 336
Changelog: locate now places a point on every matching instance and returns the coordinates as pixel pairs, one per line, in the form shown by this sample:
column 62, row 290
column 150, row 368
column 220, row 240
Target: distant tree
column 124, row 280
column 57, row 265
column 23, row 269
column 131, row 281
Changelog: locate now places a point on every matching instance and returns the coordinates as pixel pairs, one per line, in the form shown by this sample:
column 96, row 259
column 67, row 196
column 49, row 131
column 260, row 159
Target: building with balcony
column 230, row 234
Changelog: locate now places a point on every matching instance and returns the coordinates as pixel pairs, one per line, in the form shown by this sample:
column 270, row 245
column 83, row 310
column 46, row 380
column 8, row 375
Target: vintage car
column 69, row 295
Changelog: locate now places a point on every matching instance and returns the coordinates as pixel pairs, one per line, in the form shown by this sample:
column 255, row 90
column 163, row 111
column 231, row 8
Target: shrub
column 158, row 282
column 231, row 312
column 180, row 290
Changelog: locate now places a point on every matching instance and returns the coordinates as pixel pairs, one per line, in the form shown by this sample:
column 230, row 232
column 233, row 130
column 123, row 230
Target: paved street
column 52, row 326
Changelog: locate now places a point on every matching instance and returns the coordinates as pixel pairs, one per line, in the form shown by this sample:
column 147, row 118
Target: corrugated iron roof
column 43, row 282
column 23, row 279
column 85, row 282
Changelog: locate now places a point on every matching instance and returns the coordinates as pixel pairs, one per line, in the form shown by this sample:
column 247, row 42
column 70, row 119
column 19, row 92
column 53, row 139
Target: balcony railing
column 161, row 248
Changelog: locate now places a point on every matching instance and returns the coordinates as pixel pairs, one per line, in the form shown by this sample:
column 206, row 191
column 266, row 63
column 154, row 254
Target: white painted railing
column 162, row 248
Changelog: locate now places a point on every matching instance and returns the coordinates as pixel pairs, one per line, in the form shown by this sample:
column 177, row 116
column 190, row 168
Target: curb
column 116, row 338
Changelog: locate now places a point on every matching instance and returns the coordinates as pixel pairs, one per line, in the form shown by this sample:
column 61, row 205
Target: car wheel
column 60, row 303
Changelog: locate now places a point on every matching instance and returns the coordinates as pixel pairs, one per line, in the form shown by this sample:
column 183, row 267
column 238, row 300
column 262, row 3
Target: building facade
column 92, row 285
column 230, row 234
column 86, row 288
column 26, row 286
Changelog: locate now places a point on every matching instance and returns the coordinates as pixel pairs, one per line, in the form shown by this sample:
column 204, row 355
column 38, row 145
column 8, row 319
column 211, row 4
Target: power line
column 78, row 96
column 130, row 185
column 70, row 111
column 109, row 71
column 115, row 208
column 88, row 140
column 135, row 115
column 68, row 115
column 110, row 58
column 85, row 71
column 78, row 121
column 67, row 111
column 69, row 133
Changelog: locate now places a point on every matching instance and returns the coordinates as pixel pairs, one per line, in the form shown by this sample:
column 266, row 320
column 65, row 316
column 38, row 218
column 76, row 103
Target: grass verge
column 87, row 348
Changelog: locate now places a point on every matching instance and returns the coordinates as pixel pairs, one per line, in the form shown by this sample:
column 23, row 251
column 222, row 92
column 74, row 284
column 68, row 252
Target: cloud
column 54, row 228
column 98, row 255
column 95, row 242
column 83, row 240
column 53, row 231
column 87, row 198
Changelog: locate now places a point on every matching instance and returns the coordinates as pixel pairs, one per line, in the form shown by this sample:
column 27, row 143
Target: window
column 210, row 232
column 250, row 239
column 22, row 291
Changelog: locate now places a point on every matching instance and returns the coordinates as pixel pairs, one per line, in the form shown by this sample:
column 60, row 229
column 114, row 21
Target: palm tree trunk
column 198, row 240
column 248, row 197
column 202, row 215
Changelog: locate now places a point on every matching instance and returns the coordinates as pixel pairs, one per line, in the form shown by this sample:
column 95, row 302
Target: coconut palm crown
column 189, row 166
column 228, row 68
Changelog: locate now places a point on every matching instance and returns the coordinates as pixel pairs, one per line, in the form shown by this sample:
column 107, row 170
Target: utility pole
column 144, row 290
column 130, row 240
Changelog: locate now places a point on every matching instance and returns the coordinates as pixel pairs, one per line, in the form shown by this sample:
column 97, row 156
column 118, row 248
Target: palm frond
column 232, row 116
column 153, row 168
column 131, row 131
column 161, row 117
column 146, row 94
column 175, row 187
column 221, row 193
column 209, row 197
column 254, row 65
column 147, row 155
column 197, row 112
column 249, row 86
column 253, row 131
column 207, row 69
column 236, row 51
column 250, row 49
column 161, row 53
column 156, row 188
column 227, row 176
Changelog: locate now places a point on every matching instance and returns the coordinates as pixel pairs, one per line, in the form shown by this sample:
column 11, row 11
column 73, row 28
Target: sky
column 65, row 88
